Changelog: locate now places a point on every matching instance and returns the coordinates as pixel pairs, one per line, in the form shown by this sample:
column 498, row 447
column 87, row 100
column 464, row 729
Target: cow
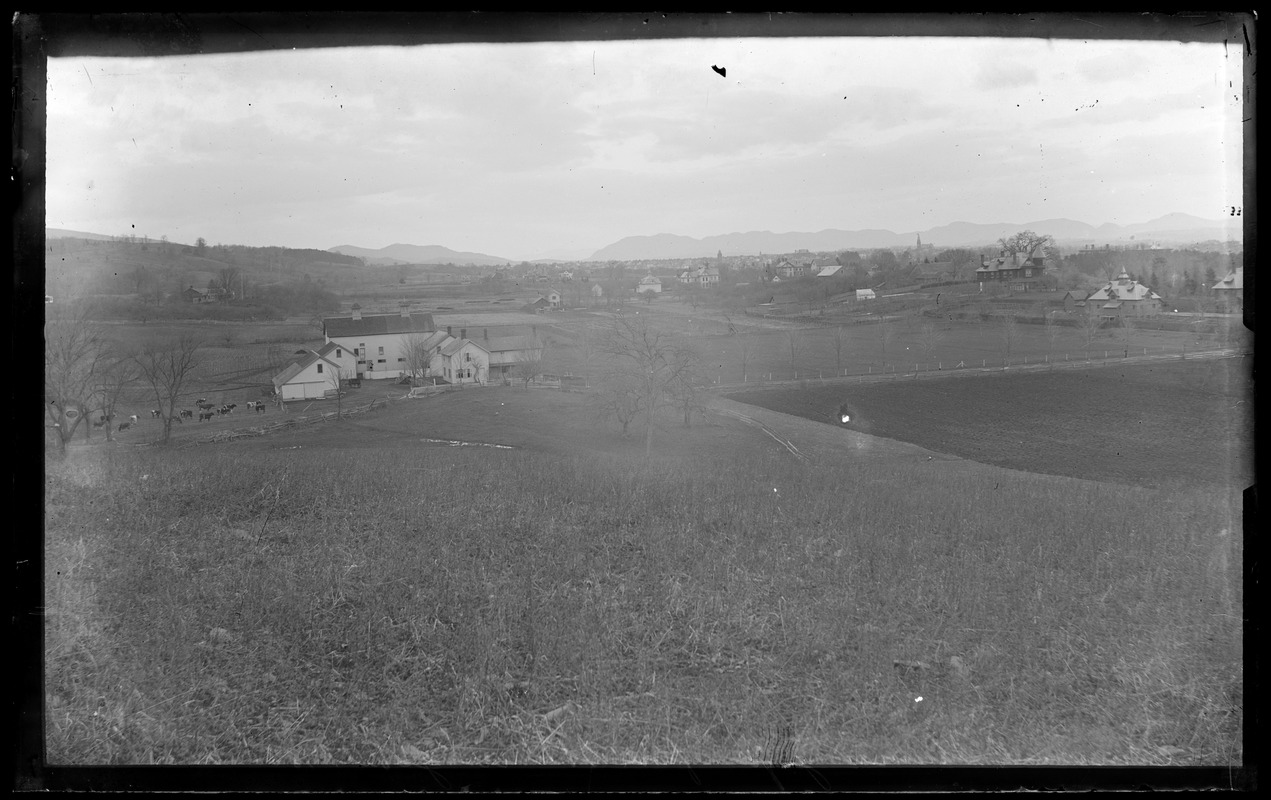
column 200, row 401
column 231, row 406
column 204, row 415
column 97, row 423
column 156, row 413
column 203, row 404
column 187, row 413
column 222, row 411
column 260, row 408
column 123, row 426
column 132, row 419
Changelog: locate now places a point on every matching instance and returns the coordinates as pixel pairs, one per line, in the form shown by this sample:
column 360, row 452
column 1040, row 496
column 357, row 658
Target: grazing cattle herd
column 206, row 412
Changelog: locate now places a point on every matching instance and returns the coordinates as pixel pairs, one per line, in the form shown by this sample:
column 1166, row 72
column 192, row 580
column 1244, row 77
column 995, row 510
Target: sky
column 556, row 149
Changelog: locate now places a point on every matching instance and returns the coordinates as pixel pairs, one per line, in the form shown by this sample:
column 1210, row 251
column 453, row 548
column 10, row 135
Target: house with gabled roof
column 378, row 341
column 1124, row 297
column 1075, row 299
column 313, row 375
column 1230, row 291
column 1018, row 270
column 460, row 361
column 649, row 284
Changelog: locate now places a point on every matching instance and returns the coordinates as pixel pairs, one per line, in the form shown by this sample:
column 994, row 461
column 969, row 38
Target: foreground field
column 352, row 594
column 1174, row 422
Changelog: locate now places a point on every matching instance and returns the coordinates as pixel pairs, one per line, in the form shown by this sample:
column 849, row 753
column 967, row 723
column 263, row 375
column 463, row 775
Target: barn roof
column 1123, row 288
column 378, row 325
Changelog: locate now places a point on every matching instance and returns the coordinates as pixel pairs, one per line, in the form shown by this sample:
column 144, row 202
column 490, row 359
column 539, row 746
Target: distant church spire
column 920, row 243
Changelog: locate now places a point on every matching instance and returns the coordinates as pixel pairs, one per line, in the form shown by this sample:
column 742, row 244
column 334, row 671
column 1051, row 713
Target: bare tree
column 117, row 373
column 227, row 279
column 335, row 376
column 73, row 351
column 686, row 385
column 417, row 356
column 885, row 332
column 617, row 396
column 166, row 366
column 1053, row 329
column 644, row 360
column 796, row 343
column 745, row 350
column 1090, row 325
column 840, row 340
column 528, row 366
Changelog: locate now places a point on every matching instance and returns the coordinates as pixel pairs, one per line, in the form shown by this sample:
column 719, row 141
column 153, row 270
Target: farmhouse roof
column 455, row 345
column 378, row 325
column 1076, row 294
column 829, row 270
column 1235, row 280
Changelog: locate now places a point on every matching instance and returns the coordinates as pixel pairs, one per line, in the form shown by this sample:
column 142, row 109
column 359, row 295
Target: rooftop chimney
column 485, row 334
column 463, row 333
column 357, row 311
column 448, row 333
column 404, row 308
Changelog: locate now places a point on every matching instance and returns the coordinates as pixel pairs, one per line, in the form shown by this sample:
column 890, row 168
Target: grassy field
column 349, row 593
column 1176, row 422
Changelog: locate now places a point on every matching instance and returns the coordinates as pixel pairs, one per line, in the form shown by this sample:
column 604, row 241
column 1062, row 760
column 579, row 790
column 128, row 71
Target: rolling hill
column 419, row 254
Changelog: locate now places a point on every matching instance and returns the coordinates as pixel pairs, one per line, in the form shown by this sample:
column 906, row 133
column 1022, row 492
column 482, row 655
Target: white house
column 460, row 361
column 312, row 376
column 865, row 294
column 379, row 342
column 508, row 351
column 649, row 284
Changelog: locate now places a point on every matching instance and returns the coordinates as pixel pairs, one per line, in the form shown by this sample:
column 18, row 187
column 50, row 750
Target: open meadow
column 764, row 589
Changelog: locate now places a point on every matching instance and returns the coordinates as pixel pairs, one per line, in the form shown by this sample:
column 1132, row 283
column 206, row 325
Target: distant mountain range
column 419, row 254
column 1171, row 228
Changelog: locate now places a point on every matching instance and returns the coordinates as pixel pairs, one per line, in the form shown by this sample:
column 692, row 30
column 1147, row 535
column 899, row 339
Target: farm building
column 1124, row 297
column 789, row 270
column 1018, row 271
column 828, row 270
column 865, row 294
column 508, row 351
column 1231, row 290
column 312, row 376
column 192, row 295
column 378, row 341
column 460, row 361
column 1075, row 299
column 649, row 284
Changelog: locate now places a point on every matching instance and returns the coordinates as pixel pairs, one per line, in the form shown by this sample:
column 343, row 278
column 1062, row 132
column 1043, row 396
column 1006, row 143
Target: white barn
column 312, row 376
column 378, row 342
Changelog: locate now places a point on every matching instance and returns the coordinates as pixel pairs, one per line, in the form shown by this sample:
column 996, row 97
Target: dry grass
column 452, row 606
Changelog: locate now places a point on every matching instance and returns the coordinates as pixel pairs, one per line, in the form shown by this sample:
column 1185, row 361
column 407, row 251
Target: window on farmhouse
column 338, row 354
column 319, row 369
column 379, row 361
column 381, row 352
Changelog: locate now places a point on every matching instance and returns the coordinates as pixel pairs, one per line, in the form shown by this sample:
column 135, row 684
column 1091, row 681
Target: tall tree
column 795, row 344
column 73, row 349
column 166, row 366
column 117, row 374
column 840, row 339
column 1026, row 242
column 416, row 355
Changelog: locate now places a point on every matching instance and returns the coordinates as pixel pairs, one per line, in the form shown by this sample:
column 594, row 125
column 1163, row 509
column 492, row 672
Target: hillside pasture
column 352, row 594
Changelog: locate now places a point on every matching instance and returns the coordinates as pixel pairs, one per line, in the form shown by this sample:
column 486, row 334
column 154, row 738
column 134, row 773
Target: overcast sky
column 530, row 150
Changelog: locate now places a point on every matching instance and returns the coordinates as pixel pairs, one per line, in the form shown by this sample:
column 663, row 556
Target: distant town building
column 649, row 284
column 1230, row 291
column 1124, row 297
column 865, row 294
column 1018, row 271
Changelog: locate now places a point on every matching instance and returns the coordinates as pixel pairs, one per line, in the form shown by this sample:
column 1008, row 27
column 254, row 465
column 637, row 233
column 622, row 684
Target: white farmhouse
column 460, row 361
column 379, row 342
column 865, row 294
